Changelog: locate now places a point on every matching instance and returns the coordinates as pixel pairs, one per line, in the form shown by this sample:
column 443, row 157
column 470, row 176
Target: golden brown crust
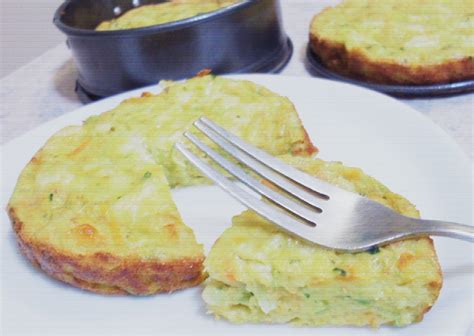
column 439, row 283
column 107, row 274
column 204, row 72
column 305, row 146
column 435, row 286
column 356, row 64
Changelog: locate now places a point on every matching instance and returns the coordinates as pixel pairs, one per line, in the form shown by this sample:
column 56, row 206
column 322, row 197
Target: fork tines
column 345, row 223
column 288, row 212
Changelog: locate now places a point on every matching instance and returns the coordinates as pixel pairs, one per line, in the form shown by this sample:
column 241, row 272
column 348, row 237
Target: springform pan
column 245, row 37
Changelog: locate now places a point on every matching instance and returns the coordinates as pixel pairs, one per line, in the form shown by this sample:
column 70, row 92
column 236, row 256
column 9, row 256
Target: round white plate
column 386, row 138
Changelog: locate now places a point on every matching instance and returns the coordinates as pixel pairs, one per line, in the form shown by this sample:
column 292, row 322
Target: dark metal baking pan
column 315, row 66
column 276, row 65
column 245, row 37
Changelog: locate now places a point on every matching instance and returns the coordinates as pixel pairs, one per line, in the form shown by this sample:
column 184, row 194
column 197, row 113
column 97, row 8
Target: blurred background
column 18, row 19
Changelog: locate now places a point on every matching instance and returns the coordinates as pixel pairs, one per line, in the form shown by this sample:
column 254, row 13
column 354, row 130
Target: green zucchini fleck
column 362, row 301
column 340, row 271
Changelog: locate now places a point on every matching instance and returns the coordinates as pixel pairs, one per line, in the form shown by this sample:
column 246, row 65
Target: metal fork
column 312, row 209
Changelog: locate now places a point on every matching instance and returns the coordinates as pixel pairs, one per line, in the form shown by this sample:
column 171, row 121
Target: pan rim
column 174, row 25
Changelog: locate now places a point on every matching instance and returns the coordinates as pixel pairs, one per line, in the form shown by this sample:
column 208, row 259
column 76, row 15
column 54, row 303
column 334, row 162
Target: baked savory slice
column 93, row 207
column 258, row 273
column 251, row 111
column 168, row 11
column 96, row 212
column 397, row 41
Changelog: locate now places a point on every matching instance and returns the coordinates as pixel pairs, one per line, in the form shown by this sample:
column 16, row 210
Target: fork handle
column 445, row 229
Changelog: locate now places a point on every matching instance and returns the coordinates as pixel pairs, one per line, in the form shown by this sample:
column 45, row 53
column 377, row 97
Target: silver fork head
column 315, row 211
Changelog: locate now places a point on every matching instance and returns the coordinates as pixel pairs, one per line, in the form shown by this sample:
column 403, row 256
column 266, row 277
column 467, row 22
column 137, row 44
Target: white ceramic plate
column 389, row 140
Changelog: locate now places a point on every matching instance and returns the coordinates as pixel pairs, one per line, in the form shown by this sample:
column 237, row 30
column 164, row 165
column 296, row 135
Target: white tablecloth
column 44, row 88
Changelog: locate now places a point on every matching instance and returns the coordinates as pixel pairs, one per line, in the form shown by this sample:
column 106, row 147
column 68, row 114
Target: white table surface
column 44, row 88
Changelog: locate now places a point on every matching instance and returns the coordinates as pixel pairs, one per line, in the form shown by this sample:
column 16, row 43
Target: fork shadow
column 457, row 271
